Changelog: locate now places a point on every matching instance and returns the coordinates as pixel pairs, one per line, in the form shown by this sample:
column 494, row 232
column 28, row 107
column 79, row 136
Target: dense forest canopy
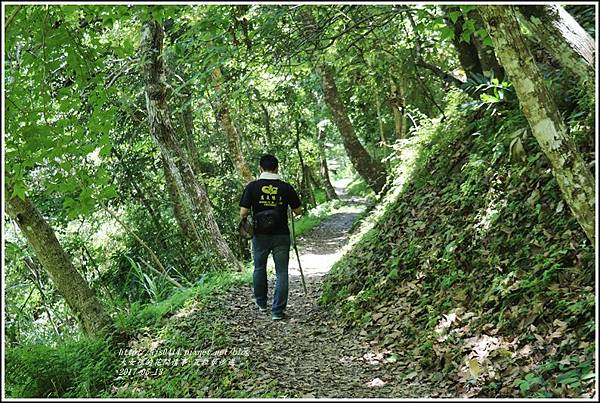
column 131, row 130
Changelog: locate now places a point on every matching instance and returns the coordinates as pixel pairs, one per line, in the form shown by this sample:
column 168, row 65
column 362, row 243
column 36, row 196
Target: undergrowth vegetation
column 476, row 267
column 103, row 367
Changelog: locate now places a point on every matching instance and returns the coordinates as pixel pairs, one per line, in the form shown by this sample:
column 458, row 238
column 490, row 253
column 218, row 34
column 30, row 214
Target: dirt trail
column 309, row 355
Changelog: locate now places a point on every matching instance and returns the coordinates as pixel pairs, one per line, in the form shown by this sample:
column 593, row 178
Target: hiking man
column 269, row 197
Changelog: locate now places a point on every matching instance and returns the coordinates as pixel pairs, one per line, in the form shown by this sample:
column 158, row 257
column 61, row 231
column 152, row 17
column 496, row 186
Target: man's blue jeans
column 262, row 245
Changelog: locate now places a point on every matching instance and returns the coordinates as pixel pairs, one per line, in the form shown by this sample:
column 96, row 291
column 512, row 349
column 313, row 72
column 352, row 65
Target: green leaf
column 105, row 150
column 589, row 375
column 19, row 190
column 108, row 193
column 447, row 33
column 454, row 16
column 469, row 25
column 568, row 381
column 524, row 386
column 487, row 41
column 466, row 37
column 69, row 203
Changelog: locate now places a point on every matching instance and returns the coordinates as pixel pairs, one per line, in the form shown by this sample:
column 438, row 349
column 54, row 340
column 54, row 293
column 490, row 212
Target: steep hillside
column 474, row 270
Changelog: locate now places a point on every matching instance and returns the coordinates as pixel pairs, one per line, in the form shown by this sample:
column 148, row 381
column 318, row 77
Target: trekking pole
column 297, row 254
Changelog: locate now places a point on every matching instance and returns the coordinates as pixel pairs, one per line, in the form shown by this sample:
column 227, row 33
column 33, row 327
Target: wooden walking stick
column 297, row 254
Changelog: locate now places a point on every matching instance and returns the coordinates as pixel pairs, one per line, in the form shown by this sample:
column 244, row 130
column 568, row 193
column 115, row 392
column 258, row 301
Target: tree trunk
column 380, row 122
column 80, row 298
column 187, row 116
column 372, row 171
column 137, row 193
column 315, row 181
column 448, row 78
column 305, row 189
column 154, row 216
column 181, row 212
column 324, row 169
column 573, row 176
column 397, row 103
column 233, row 137
column 37, row 281
column 161, row 128
column 267, row 123
column 369, row 168
column 489, row 63
column 563, row 38
column 467, row 52
column 308, row 186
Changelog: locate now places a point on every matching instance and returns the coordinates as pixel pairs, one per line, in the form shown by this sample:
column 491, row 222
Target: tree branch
column 447, row 77
column 12, row 16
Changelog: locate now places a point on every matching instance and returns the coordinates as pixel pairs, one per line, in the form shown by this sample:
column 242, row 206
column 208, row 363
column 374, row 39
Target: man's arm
column 244, row 212
column 294, row 200
column 246, row 202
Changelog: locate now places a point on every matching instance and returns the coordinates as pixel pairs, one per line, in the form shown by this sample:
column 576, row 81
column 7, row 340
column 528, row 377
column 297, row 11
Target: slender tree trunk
column 380, row 121
column 324, row 169
column 154, row 216
column 315, row 182
column 187, row 117
column 448, row 78
column 489, row 63
column 161, row 128
column 137, row 193
column 563, row 38
column 266, row 118
column 397, row 104
column 35, row 277
column 372, row 170
column 305, row 189
column 573, row 176
column 233, row 137
column 267, row 123
column 80, row 298
column 467, row 52
column 369, row 168
column 308, row 186
column 181, row 212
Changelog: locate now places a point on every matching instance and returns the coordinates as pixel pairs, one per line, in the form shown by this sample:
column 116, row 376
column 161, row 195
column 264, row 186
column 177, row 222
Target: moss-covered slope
column 474, row 269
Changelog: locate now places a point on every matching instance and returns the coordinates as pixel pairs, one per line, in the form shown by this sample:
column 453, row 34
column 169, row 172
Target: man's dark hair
column 268, row 162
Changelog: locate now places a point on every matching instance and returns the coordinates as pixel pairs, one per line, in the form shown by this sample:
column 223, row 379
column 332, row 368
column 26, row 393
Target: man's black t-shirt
column 266, row 194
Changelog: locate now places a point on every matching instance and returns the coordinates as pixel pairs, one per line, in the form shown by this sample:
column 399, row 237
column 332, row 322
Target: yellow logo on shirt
column 269, row 198
column 269, row 189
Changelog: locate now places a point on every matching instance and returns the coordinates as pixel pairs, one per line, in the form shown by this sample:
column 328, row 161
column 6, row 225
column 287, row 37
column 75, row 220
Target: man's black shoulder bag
column 266, row 220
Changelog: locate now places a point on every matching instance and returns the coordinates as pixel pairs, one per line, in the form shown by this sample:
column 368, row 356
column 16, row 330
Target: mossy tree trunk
column 187, row 117
column 467, row 52
column 233, row 137
column 563, row 37
column 571, row 172
column 397, row 102
column 306, row 192
column 37, row 282
column 180, row 211
column 163, row 133
column 80, row 298
column 371, row 170
column 324, row 169
column 489, row 62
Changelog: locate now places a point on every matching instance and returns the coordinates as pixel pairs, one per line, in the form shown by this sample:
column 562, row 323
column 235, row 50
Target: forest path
column 309, row 354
